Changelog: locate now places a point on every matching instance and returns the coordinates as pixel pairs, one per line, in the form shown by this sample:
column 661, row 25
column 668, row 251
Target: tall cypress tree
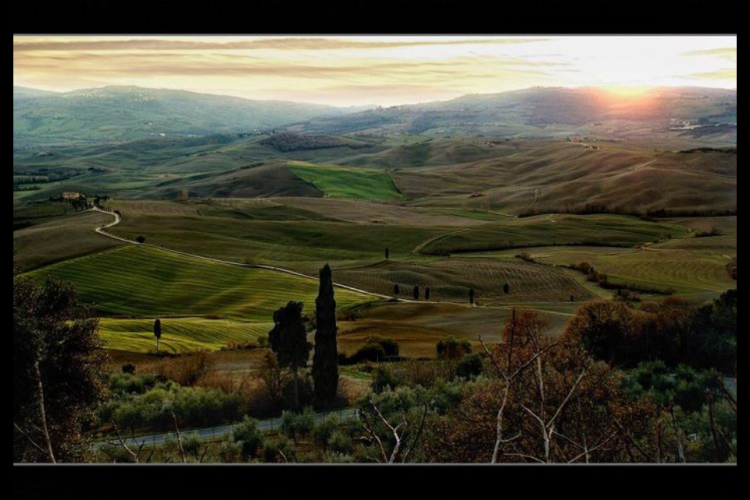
column 326, row 361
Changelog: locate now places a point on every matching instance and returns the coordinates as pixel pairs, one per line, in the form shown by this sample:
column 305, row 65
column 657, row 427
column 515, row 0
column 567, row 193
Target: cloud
column 292, row 44
column 725, row 53
column 721, row 74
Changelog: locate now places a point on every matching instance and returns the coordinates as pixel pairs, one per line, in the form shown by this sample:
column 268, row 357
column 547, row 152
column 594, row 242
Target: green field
column 142, row 282
column 179, row 335
column 696, row 274
column 554, row 230
column 56, row 239
column 341, row 182
column 450, row 280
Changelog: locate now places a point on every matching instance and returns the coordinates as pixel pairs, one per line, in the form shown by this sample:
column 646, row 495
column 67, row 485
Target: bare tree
column 400, row 436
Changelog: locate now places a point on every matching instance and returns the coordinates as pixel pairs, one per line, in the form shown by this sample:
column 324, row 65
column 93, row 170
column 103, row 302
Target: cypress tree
column 157, row 333
column 326, row 360
column 288, row 340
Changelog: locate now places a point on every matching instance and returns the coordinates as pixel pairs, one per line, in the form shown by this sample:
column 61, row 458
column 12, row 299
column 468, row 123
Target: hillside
column 119, row 114
column 552, row 112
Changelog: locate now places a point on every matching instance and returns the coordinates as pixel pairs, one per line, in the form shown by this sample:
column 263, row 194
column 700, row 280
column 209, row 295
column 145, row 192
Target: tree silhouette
column 157, row 333
column 427, row 294
column 326, row 360
column 472, row 296
column 289, row 341
column 416, row 293
column 141, row 240
column 506, row 288
column 387, row 253
column 396, row 291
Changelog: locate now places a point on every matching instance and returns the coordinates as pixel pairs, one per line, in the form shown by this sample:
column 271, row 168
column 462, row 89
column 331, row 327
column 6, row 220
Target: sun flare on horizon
column 384, row 70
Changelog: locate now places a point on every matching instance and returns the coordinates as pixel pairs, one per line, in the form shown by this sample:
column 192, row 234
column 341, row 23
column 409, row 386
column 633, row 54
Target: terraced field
column 289, row 243
column 555, row 230
column 694, row 273
column 57, row 239
column 342, row 182
column 450, row 281
column 179, row 335
column 142, row 282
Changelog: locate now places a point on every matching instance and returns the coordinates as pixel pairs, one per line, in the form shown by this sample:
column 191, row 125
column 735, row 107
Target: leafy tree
column 470, row 367
column 326, row 360
column 453, row 348
column 324, row 431
column 58, row 369
column 289, row 341
column 157, row 333
column 273, row 378
column 249, row 436
column 297, row 426
column 416, row 293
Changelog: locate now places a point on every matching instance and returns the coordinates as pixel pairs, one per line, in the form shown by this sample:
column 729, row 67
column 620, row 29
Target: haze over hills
column 120, row 114
column 552, row 112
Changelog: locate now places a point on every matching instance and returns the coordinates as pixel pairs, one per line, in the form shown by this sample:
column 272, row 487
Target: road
column 103, row 231
column 216, row 433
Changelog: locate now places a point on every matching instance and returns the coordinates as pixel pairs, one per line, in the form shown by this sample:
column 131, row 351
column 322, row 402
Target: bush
column 280, row 451
column 249, row 437
column 390, row 346
column 298, row 425
column 323, row 432
column 340, row 443
column 385, row 378
column 129, row 369
column 453, row 348
column 375, row 350
column 470, row 367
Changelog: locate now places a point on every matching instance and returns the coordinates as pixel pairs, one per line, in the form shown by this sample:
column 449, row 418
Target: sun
column 628, row 90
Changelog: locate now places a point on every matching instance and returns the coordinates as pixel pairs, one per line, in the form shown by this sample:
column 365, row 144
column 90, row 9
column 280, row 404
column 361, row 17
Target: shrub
column 470, row 367
column 525, row 256
column 453, row 348
column 248, row 435
column 323, row 432
column 390, row 346
column 280, row 451
column 385, row 378
column 129, row 369
column 298, row 425
column 340, row 443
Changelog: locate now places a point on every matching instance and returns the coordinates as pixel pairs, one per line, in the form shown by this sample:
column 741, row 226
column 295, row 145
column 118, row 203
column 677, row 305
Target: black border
column 530, row 17
column 349, row 18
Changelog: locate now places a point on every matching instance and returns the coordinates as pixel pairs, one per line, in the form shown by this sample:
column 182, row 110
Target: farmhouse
column 71, row 196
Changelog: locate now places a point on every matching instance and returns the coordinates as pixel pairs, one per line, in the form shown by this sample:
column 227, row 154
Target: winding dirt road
column 118, row 219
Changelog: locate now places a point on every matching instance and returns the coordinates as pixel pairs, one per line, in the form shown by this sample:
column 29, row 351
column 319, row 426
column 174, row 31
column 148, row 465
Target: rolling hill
column 552, row 112
column 120, row 114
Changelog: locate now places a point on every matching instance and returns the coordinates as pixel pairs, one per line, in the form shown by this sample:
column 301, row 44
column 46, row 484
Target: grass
column 348, row 183
column 179, row 335
column 137, row 282
column 61, row 238
column 554, row 230
column 697, row 274
column 291, row 243
column 450, row 280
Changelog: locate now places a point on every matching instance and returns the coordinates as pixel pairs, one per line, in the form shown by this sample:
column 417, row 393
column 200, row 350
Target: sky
column 386, row 70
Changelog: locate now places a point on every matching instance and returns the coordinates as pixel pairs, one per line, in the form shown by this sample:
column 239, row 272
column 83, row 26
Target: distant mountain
column 551, row 112
column 27, row 93
column 119, row 114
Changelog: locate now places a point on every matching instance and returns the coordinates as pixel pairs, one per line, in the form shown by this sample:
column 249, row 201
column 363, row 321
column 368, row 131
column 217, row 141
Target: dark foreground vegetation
column 653, row 384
